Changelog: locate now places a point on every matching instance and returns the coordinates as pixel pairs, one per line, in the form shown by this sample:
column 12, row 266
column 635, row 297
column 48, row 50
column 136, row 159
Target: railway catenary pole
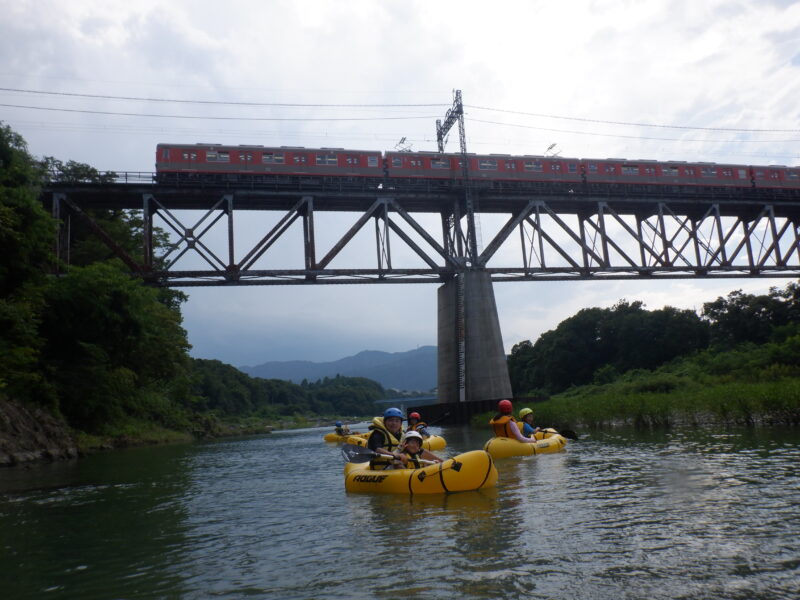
column 456, row 115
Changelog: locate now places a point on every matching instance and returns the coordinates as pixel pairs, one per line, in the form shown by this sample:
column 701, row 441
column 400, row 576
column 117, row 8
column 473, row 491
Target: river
column 621, row 514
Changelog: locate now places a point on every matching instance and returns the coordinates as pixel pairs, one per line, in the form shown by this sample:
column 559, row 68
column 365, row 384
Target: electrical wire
column 222, row 102
column 160, row 116
column 631, row 123
column 630, row 137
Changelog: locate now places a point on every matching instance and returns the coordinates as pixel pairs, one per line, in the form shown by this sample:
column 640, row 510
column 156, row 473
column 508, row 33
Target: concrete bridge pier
column 471, row 363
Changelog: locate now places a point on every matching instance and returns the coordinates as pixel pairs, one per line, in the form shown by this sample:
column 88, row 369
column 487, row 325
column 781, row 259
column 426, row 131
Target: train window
column 592, row 168
column 272, row 158
column 397, row 162
column 759, row 174
column 415, row 162
column 299, row 159
column 510, row 165
column 534, row 165
column 742, row 173
column 487, row 164
column 212, row 156
column 245, row 156
column 327, row 160
column 708, row 172
column 572, row 168
column 190, row 156
column 609, row 169
column 165, row 154
column 555, row 167
column 630, row 170
column 353, row 160
column 793, row 174
column 669, row 171
column 440, row 163
column 688, row 171
column 726, row 172
column 649, row 170
column 774, row 175
column 372, row 161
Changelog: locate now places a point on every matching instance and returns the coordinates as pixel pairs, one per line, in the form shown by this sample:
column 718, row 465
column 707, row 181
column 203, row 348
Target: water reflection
column 671, row 514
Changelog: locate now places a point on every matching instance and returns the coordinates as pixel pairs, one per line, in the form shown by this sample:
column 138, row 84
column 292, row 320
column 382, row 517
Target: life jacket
column 521, row 425
column 501, row 423
column 413, row 460
column 421, row 427
column 391, row 443
column 339, row 430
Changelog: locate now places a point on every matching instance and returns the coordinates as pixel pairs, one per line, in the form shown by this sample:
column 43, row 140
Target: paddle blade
column 356, row 454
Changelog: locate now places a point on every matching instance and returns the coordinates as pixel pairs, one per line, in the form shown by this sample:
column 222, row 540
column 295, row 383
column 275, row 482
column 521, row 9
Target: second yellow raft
column 503, row 447
column 434, row 442
column 469, row 471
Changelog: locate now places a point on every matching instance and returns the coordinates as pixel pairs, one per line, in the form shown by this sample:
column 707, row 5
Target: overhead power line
column 631, row 123
column 125, row 114
column 220, row 102
column 630, row 137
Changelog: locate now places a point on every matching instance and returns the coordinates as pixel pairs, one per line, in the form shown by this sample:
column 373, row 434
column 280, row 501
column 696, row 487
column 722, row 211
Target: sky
column 596, row 78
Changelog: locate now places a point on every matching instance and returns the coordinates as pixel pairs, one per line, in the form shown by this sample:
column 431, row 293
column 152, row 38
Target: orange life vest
column 500, row 425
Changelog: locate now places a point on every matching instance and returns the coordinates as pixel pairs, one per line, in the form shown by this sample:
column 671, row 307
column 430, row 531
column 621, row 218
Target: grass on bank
column 747, row 385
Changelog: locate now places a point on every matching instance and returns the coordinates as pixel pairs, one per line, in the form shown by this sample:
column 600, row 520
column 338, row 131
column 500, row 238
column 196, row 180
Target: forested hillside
column 105, row 351
column 739, row 361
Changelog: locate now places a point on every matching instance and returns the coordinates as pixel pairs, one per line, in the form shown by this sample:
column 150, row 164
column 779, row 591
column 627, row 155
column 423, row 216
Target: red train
column 222, row 162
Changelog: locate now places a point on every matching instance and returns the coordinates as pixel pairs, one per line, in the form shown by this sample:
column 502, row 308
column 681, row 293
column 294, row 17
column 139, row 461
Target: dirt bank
column 29, row 433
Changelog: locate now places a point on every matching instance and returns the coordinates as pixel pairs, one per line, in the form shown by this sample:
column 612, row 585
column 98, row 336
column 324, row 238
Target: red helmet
column 414, row 415
column 504, row 406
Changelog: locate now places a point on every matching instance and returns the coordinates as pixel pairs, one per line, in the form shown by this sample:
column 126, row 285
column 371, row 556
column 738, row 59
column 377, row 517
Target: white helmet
column 412, row 434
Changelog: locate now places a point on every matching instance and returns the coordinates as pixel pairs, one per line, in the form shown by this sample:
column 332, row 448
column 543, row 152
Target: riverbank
column 662, row 399
column 30, row 433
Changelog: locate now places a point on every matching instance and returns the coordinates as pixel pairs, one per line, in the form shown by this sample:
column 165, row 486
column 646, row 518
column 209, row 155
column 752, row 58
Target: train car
column 219, row 159
column 423, row 165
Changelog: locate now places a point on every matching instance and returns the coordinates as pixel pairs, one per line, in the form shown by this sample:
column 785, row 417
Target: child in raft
column 411, row 448
column 505, row 425
column 526, row 422
column 415, row 423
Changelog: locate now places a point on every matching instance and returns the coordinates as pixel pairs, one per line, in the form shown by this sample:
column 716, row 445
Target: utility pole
column 455, row 114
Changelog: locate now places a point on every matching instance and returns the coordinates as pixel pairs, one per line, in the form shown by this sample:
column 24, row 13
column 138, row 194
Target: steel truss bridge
column 548, row 231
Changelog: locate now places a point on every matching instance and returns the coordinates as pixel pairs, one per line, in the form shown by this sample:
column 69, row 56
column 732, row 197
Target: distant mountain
column 412, row 370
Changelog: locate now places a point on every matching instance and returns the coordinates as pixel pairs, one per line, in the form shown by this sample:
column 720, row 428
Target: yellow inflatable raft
column 434, row 442
column 547, row 442
column 469, row 471
column 335, row 437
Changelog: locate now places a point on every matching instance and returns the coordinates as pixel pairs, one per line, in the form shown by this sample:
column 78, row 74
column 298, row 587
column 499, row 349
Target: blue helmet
column 338, row 423
column 392, row 412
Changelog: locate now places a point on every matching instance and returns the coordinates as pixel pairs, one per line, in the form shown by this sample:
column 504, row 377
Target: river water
column 622, row 514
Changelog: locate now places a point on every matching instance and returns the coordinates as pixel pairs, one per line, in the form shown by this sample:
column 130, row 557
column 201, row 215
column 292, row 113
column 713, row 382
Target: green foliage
column 108, row 339
column 741, row 318
column 597, row 344
column 228, row 392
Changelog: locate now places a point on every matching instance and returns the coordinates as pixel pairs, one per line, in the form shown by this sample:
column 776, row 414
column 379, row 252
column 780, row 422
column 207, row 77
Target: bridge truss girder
column 592, row 239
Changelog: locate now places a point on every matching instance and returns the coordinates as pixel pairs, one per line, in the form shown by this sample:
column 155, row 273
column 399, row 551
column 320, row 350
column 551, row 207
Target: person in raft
column 415, row 423
column 384, row 439
column 411, row 447
column 505, row 425
column 526, row 422
column 341, row 429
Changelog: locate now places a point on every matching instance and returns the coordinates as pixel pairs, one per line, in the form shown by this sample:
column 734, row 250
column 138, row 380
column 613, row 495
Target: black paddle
column 359, row 454
column 567, row 433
